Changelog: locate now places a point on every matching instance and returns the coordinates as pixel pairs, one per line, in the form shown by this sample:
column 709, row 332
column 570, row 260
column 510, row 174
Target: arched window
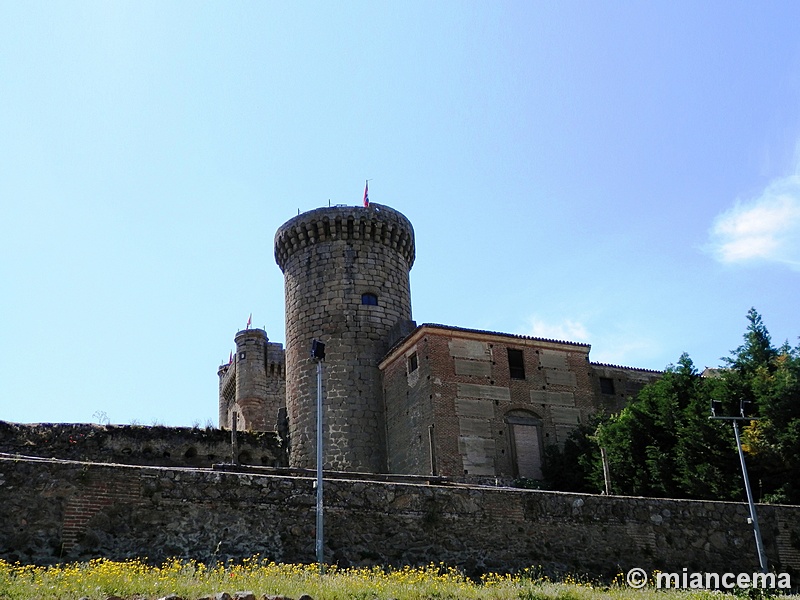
column 525, row 436
column 369, row 299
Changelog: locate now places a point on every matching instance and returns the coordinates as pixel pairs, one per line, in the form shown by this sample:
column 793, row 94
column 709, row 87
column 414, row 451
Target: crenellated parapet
column 375, row 223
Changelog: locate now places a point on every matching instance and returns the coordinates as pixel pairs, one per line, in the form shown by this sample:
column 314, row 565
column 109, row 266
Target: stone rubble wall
column 65, row 510
column 138, row 445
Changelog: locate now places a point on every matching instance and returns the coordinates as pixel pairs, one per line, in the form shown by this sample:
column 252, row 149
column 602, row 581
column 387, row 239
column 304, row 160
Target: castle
column 428, row 411
column 399, row 397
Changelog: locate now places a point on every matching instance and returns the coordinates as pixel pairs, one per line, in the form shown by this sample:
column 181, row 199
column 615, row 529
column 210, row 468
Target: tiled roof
column 610, row 366
column 510, row 335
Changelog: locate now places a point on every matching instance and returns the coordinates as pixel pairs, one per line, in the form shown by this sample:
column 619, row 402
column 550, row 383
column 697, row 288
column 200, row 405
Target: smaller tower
column 253, row 384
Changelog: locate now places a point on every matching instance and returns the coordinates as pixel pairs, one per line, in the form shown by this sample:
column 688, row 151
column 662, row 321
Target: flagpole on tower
column 366, row 193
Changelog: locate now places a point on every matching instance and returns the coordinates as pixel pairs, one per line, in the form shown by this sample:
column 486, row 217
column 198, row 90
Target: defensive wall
column 57, row 510
column 140, row 445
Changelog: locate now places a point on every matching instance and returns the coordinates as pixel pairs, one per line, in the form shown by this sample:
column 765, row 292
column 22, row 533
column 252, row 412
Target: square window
column 412, row 362
column 606, row 385
column 516, row 363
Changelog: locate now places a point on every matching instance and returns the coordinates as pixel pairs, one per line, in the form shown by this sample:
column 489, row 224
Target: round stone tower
column 346, row 281
column 252, row 386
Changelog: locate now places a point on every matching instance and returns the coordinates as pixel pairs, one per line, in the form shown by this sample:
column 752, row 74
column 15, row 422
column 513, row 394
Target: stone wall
column 410, row 419
column 346, row 275
column 137, row 445
column 64, row 510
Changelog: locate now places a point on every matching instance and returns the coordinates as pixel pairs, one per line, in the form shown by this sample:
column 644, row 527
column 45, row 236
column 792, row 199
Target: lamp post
column 318, row 354
column 716, row 406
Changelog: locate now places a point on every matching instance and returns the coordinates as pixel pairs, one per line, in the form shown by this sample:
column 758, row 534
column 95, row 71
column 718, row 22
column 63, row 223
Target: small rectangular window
column 412, row 362
column 606, row 385
column 369, row 299
column 516, row 363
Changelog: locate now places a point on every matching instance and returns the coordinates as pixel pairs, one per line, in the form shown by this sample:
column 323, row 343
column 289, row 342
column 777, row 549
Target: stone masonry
column 347, row 285
column 138, row 445
column 63, row 511
column 252, row 386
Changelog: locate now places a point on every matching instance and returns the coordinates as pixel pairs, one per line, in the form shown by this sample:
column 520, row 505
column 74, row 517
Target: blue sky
column 619, row 173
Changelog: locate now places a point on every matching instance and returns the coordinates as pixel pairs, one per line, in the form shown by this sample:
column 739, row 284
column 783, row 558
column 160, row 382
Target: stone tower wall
column 251, row 379
column 227, row 393
column 253, row 386
column 330, row 257
column 275, row 368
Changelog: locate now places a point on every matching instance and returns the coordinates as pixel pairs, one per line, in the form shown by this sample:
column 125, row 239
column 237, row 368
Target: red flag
column 230, row 357
column 366, row 193
column 249, row 321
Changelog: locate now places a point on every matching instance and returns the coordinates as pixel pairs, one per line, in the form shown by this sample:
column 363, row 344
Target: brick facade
column 477, row 403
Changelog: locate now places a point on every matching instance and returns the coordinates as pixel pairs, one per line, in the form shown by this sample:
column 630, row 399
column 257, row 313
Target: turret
column 252, row 386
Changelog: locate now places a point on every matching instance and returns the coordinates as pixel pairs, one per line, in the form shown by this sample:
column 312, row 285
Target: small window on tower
column 412, row 362
column 516, row 363
column 606, row 385
column 369, row 299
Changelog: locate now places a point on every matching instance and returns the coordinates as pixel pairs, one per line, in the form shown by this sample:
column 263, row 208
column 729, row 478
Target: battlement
column 375, row 223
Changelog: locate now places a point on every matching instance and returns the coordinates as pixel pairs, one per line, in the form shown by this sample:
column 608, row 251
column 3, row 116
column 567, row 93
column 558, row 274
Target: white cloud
column 618, row 347
column 626, row 351
column 567, row 330
column 766, row 228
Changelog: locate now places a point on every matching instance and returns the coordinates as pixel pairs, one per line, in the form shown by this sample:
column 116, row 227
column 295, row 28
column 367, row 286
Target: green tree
column 769, row 378
column 656, row 443
column 663, row 443
column 575, row 466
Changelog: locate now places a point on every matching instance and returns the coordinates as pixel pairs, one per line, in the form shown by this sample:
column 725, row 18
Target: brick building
column 401, row 398
column 479, row 403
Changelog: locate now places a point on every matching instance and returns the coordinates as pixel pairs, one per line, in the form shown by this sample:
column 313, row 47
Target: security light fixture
column 317, row 350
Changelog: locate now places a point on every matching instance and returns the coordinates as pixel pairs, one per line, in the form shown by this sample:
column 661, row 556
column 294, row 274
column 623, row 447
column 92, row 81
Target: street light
column 318, row 354
column 745, row 409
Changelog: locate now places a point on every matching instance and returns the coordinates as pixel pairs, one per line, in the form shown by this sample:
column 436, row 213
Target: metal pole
column 606, row 472
column 432, row 447
column 762, row 557
column 234, row 439
column 319, row 545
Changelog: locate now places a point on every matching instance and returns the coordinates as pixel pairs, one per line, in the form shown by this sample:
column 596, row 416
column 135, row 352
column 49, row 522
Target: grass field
column 134, row 579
